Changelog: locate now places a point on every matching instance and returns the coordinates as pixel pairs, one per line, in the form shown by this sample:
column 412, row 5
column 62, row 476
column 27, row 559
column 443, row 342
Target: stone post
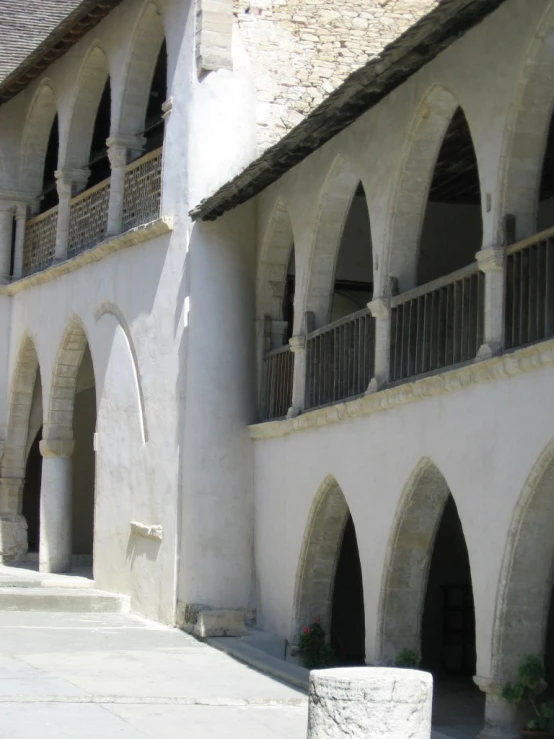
column 370, row 703
column 380, row 310
column 6, row 230
column 55, row 545
column 13, row 526
column 298, row 348
column 69, row 182
column 500, row 716
column 20, row 221
column 491, row 263
column 119, row 148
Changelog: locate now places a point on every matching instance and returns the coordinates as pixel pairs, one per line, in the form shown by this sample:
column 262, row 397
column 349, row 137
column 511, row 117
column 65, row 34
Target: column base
column 501, row 718
column 293, row 412
column 13, row 538
column 489, row 350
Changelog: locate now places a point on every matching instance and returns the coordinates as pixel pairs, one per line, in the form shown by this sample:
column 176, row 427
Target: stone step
column 74, row 600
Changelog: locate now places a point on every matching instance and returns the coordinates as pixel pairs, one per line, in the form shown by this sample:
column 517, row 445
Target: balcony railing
column 89, row 213
column 437, row 325
column 529, row 303
column 340, row 359
column 278, row 374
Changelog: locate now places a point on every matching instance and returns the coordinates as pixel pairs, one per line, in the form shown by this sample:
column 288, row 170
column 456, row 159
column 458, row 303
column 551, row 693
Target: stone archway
column 410, row 550
column 272, row 267
column 323, row 551
column 36, row 133
column 407, row 212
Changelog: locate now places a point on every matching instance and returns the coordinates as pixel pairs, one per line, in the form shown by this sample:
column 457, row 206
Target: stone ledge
column 137, row 235
column 507, row 365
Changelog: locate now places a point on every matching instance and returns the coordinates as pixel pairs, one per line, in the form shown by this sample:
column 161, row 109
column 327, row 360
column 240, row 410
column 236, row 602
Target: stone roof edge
column 65, row 35
column 360, row 91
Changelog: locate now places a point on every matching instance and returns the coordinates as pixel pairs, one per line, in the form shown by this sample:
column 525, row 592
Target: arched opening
column 329, row 581
column 347, row 614
column 288, row 297
column 452, row 230
column 353, row 278
column 154, row 122
column 49, row 191
column 99, row 163
column 83, row 462
column 31, row 493
column 545, row 214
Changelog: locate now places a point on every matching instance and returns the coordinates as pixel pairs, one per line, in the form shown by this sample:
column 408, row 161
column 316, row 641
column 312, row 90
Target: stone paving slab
column 68, row 675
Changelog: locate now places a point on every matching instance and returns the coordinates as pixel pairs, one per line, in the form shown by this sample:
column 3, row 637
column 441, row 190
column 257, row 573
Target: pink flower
column 317, row 620
column 306, row 630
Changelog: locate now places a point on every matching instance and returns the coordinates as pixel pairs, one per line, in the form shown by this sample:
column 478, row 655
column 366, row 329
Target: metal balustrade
column 40, row 241
column 88, row 218
column 278, row 378
column 340, row 359
column 89, row 213
column 529, row 291
column 437, row 325
column 143, row 190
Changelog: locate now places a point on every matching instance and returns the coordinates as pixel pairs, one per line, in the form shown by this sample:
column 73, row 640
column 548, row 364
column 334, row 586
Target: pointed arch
column 272, row 267
column 148, row 38
column 25, row 376
column 319, row 556
column 408, row 559
column 408, row 206
column 58, row 421
column 91, row 81
column 527, row 131
column 339, row 190
column 527, row 574
column 36, row 132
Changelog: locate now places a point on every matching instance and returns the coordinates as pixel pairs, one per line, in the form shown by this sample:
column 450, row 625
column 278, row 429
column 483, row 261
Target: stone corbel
column 153, row 531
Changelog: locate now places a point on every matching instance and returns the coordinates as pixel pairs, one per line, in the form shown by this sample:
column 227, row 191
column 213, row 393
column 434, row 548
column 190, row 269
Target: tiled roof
column 34, row 33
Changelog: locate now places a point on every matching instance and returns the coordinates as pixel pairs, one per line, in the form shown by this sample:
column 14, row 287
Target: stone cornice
column 514, row 363
column 134, row 236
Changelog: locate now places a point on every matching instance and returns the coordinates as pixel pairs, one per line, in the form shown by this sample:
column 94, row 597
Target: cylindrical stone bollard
column 370, row 703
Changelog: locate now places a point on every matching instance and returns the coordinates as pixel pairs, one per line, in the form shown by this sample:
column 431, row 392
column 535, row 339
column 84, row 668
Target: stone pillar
column 278, row 333
column 364, row 702
column 55, row 506
column 120, row 147
column 13, row 526
column 69, row 182
column 491, row 263
column 298, row 348
column 20, row 221
column 500, row 716
column 380, row 310
column 6, row 230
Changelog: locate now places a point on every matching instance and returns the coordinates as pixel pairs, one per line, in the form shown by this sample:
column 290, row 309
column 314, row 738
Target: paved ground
column 107, row 676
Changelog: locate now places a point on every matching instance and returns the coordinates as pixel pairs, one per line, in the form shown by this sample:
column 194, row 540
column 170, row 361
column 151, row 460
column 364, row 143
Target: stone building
column 277, row 317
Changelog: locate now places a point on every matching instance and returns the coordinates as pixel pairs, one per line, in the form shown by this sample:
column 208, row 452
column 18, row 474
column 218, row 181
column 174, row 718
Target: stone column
column 491, row 263
column 13, row 526
column 69, row 182
column 380, row 310
column 362, row 702
column 500, row 716
column 6, row 230
column 298, row 348
column 55, row 505
column 120, row 147
column 20, row 221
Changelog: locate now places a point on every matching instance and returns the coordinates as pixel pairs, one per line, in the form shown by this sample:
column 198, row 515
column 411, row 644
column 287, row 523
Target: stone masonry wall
column 301, row 50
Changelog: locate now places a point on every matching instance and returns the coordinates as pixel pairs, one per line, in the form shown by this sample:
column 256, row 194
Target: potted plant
column 313, row 647
column 525, row 691
column 407, row 658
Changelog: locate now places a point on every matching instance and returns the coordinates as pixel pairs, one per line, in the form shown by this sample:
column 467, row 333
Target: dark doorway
column 49, row 194
column 31, row 493
column 154, row 122
column 448, row 627
column 347, row 617
column 99, row 163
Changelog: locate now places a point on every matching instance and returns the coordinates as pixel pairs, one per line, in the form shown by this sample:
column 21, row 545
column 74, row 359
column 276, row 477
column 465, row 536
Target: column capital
column 127, row 140
column 488, row 684
column 491, row 259
column 297, row 343
column 57, row 447
column 68, row 177
column 379, row 307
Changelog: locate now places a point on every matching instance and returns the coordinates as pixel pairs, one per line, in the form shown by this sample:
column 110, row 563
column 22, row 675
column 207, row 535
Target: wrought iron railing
column 340, row 359
column 529, row 293
column 437, row 325
column 40, row 241
column 88, row 218
column 143, row 190
column 278, row 374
